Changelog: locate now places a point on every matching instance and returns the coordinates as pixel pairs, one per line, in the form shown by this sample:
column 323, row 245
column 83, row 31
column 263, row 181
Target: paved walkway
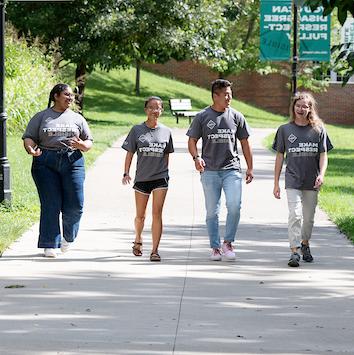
column 100, row 299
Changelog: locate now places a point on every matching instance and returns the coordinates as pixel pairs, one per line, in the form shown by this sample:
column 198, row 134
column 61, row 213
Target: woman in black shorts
column 152, row 141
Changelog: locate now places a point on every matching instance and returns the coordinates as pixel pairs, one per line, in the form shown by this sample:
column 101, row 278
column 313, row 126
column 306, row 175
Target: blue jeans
column 59, row 178
column 213, row 182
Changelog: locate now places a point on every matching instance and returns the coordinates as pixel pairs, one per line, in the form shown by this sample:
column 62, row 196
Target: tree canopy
column 124, row 33
column 344, row 61
column 121, row 33
column 343, row 7
column 239, row 42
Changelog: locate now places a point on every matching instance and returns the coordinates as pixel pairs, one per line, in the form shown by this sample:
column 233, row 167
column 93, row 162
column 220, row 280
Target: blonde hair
column 312, row 116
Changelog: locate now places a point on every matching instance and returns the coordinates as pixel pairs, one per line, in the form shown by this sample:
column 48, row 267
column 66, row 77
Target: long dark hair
column 57, row 89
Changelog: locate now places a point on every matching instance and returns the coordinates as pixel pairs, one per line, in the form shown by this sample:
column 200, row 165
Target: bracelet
column 196, row 157
column 125, row 174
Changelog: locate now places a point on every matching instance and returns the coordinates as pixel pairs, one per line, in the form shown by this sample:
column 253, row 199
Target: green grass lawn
column 111, row 108
column 337, row 195
column 111, row 100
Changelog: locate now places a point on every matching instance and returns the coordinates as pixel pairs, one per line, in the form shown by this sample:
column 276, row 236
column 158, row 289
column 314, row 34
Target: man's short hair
column 218, row 85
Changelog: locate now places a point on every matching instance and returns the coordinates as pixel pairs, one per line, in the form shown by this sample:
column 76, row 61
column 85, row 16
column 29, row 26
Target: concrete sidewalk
column 100, row 299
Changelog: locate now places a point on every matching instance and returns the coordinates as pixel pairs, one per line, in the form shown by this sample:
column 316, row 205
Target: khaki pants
column 302, row 205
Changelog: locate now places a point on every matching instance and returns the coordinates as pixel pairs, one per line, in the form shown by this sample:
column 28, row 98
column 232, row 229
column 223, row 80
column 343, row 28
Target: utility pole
column 295, row 58
column 5, row 189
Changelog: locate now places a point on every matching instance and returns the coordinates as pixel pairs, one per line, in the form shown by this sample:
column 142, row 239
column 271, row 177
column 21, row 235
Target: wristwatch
column 125, row 174
column 195, row 157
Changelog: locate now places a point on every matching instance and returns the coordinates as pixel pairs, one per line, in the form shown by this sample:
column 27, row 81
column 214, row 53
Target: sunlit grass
column 337, row 195
column 111, row 97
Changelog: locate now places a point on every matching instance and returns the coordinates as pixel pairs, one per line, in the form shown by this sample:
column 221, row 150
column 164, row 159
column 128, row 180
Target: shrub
column 29, row 77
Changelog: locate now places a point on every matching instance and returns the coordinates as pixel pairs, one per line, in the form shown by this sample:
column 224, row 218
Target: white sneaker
column 228, row 251
column 215, row 254
column 65, row 246
column 50, row 253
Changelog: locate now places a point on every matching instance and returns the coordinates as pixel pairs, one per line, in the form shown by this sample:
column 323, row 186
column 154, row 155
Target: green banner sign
column 315, row 34
column 275, row 29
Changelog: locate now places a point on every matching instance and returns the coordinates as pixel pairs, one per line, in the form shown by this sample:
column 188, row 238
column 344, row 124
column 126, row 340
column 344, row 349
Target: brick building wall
column 336, row 105
column 268, row 92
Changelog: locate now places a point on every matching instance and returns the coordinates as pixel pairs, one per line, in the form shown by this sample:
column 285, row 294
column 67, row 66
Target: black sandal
column 155, row 257
column 137, row 248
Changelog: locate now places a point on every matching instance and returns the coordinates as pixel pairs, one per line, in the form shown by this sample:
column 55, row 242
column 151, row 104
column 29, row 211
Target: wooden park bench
column 181, row 108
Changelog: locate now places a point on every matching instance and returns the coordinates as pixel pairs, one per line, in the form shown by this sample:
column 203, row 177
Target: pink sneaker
column 228, row 251
column 215, row 254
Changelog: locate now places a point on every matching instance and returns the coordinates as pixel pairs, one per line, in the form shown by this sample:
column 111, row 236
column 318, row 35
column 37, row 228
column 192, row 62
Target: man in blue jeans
column 220, row 126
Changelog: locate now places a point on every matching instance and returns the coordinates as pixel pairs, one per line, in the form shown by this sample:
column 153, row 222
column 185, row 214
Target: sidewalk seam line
column 186, row 270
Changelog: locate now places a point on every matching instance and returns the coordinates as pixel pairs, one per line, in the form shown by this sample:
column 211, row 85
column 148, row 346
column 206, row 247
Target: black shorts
column 145, row 187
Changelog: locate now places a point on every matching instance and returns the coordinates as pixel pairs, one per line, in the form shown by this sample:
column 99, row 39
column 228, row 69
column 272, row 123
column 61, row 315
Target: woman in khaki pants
column 305, row 144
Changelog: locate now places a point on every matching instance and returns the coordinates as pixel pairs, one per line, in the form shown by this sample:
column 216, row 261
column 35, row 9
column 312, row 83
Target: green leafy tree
column 119, row 33
column 150, row 31
column 239, row 41
column 344, row 62
column 156, row 31
column 67, row 30
column 343, row 7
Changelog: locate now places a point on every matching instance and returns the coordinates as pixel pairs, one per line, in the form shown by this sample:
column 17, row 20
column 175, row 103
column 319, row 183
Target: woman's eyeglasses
column 154, row 108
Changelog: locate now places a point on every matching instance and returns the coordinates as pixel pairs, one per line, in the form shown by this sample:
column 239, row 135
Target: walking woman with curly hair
column 305, row 144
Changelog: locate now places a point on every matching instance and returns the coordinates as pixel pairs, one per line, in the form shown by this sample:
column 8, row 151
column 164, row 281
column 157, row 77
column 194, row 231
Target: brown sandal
column 137, row 248
column 155, row 257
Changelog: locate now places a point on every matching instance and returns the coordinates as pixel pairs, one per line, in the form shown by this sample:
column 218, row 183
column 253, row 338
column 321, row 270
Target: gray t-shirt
column 151, row 145
column 302, row 146
column 219, row 132
column 52, row 130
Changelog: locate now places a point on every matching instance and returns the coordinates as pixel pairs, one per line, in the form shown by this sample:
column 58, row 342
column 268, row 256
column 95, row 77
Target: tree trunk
column 80, row 79
column 250, row 29
column 137, row 78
